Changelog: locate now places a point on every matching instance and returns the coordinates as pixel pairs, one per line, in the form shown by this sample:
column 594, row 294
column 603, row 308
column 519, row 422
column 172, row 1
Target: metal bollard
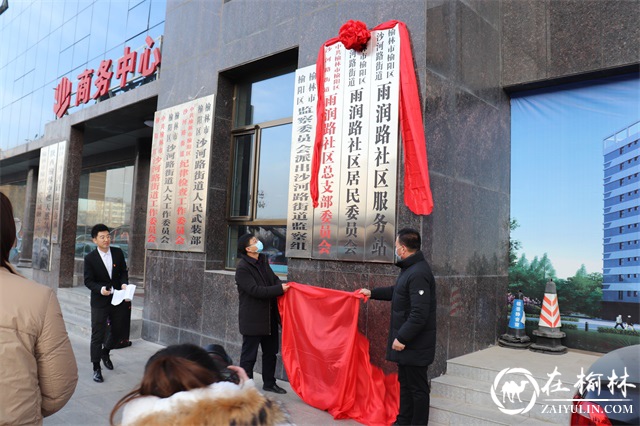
column 586, row 326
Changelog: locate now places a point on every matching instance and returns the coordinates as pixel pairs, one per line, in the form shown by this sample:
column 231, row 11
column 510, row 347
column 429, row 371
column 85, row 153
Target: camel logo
column 511, row 389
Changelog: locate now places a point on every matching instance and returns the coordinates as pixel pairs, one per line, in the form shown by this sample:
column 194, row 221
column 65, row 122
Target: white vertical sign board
column 300, row 212
column 356, row 213
column 179, row 176
column 383, row 147
column 355, row 146
column 325, row 218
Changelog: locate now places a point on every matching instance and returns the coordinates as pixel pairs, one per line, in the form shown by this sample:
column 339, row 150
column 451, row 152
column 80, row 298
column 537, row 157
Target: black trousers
column 103, row 340
column 414, row 395
column 249, row 355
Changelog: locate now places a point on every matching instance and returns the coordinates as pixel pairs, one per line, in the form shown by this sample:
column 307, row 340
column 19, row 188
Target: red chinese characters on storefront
column 125, row 72
column 103, row 79
column 62, row 95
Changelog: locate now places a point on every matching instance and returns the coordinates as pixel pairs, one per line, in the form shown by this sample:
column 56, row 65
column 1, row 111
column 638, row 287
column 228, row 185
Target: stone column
column 29, row 218
column 69, row 213
column 139, row 211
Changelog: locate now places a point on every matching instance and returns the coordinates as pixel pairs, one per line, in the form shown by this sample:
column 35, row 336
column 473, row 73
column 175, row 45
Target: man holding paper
column 105, row 271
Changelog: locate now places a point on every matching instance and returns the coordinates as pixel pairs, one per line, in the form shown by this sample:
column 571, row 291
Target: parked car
column 598, row 405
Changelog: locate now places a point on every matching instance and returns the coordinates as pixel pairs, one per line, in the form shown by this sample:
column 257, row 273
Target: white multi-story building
column 621, row 245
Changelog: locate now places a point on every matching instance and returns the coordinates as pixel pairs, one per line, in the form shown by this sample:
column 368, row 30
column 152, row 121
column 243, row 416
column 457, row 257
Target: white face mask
column 259, row 246
column 397, row 254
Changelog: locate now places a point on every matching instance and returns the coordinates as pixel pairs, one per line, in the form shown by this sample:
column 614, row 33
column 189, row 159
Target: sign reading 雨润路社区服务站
column 355, row 217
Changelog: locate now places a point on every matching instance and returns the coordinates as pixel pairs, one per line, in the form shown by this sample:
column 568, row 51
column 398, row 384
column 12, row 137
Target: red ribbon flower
column 354, row 35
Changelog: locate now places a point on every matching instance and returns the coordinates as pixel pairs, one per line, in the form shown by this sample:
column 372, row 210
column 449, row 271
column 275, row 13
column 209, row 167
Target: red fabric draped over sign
column 417, row 188
column 327, row 359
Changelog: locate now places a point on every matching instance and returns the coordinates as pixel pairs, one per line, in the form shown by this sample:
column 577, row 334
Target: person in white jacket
column 182, row 385
column 38, row 371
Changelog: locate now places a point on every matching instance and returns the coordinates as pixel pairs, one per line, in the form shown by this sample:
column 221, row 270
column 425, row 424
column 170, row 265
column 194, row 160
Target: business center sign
column 147, row 65
column 356, row 213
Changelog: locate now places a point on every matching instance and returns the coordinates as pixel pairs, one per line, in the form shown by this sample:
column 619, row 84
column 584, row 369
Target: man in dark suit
column 105, row 270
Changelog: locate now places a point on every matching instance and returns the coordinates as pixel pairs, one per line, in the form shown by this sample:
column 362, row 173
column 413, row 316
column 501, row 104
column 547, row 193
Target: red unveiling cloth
column 417, row 188
column 327, row 359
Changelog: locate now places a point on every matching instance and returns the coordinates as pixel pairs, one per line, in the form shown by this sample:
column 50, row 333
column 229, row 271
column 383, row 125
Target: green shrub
column 569, row 326
column 611, row 330
column 588, row 340
column 569, row 319
column 532, row 309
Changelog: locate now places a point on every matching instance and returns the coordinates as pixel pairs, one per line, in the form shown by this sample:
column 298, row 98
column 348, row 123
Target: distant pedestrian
column 630, row 323
column 619, row 322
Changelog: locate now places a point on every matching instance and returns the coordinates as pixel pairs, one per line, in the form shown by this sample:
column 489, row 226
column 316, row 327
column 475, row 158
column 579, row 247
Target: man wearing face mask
column 258, row 289
column 412, row 332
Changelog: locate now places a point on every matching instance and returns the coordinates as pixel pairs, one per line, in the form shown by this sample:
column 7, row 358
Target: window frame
column 254, row 129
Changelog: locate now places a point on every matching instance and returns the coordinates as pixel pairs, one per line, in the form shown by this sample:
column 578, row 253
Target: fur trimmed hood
column 222, row 403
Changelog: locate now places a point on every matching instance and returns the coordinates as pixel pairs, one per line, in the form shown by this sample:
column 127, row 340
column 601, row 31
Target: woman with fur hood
column 183, row 386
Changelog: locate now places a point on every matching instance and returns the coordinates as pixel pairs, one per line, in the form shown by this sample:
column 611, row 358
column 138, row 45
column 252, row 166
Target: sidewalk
column 92, row 402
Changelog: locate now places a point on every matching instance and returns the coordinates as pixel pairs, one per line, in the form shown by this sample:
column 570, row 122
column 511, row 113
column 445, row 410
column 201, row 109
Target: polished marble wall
column 463, row 51
column 551, row 39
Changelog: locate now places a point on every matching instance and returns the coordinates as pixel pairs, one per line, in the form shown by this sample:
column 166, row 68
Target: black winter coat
column 413, row 312
column 257, row 292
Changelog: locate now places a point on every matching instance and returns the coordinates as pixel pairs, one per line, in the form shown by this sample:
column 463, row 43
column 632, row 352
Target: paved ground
column 92, row 402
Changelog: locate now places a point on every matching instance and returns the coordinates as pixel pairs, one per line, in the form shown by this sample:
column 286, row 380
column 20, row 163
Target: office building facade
column 621, row 253
column 468, row 55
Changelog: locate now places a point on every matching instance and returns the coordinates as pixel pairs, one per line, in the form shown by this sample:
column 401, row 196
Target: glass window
column 265, row 100
column 137, row 20
column 273, row 172
column 157, row 12
column 260, row 165
column 240, row 191
column 105, row 197
column 273, row 238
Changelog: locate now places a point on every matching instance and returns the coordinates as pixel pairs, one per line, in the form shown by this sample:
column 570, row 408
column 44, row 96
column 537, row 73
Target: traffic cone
column 549, row 336
column 515, row 336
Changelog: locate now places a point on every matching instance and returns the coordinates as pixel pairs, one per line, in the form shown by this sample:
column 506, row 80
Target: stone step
column 84, row 310
column 486, row 364
column 76, row 310
column 478, row 393
column 448, row 411
column 79, row 295
column 464, row 394
column 488, row 374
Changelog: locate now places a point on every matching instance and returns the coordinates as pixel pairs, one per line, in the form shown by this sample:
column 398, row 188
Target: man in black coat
column 105, row 269
column 258, row 289
column 412, row 331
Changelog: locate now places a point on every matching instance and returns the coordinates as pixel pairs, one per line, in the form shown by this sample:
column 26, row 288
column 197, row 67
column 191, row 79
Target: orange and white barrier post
column 548, row 335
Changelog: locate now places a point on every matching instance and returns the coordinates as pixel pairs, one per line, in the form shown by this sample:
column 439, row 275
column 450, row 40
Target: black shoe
column 97, row 376
column 107, row 362
column 275, row 389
